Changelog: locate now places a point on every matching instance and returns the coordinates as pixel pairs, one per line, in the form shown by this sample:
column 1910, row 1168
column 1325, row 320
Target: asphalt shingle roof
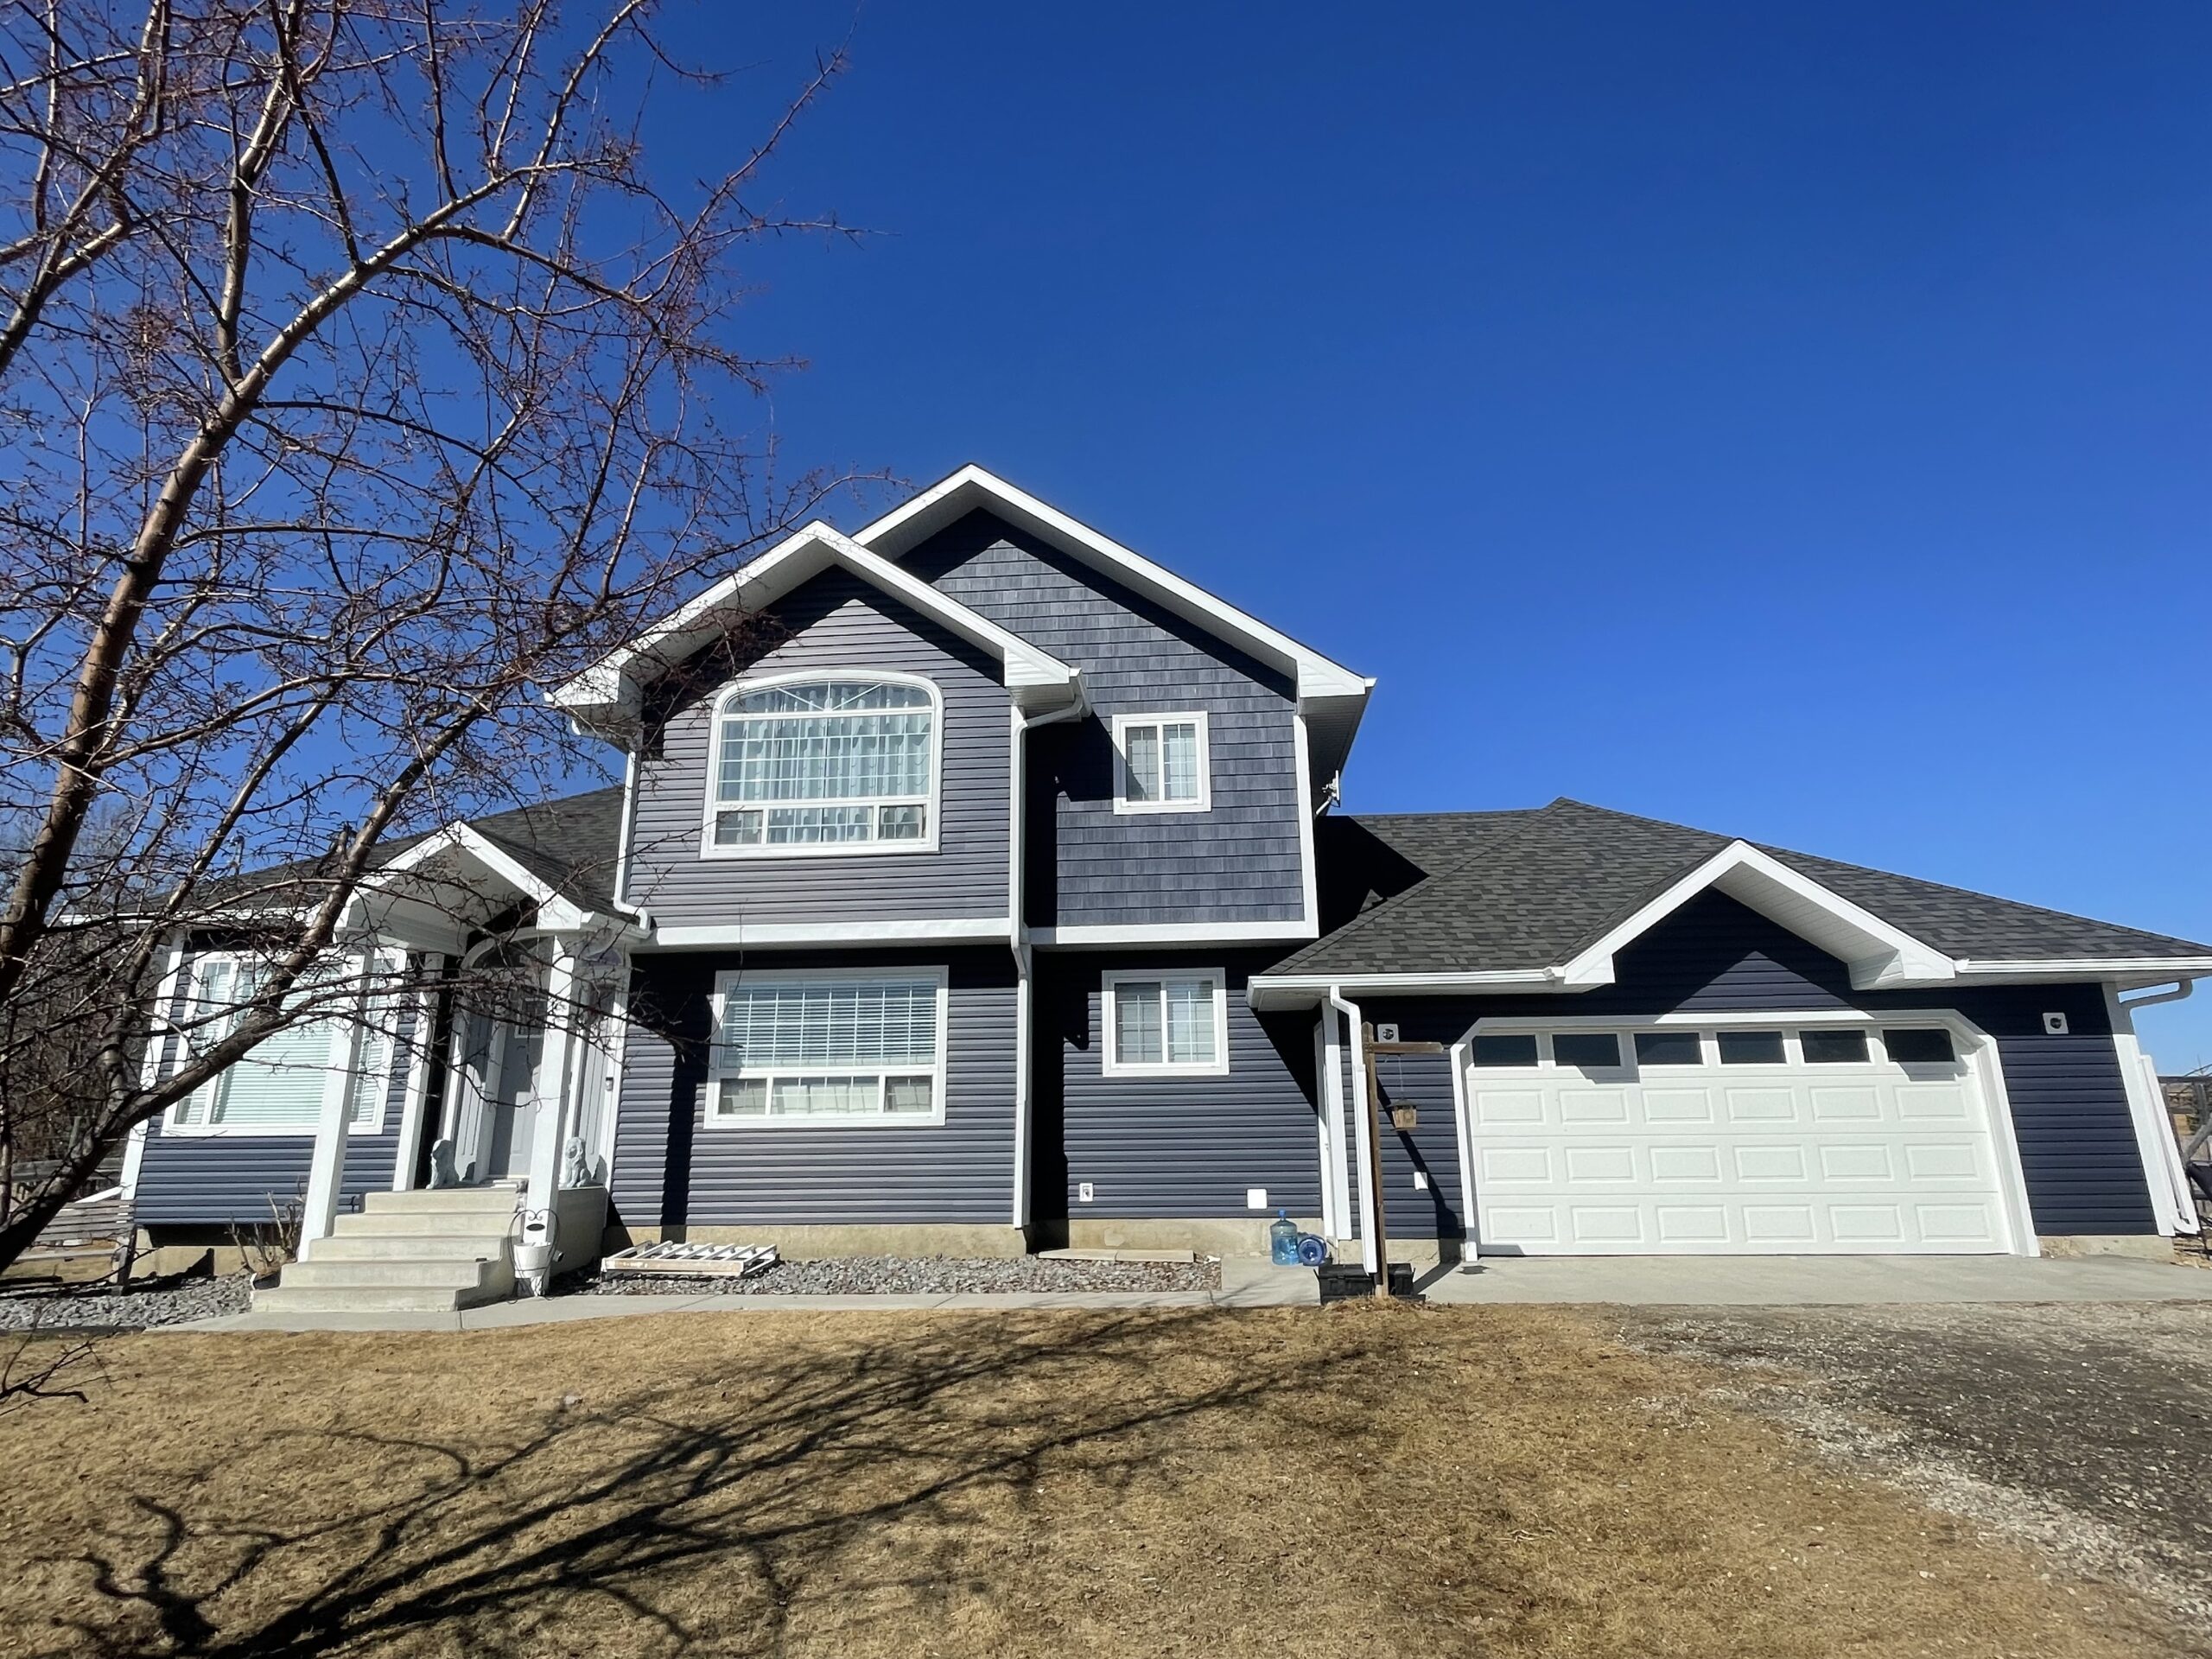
column 1529, row 890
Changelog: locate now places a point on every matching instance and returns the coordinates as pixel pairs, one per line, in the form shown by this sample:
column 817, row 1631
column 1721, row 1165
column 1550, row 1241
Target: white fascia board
column 907, row 525
column 615, row 682
column 735, row 936
column 1103, row 936
column 459, row 836
column 1877, row 954
column 1266, row 991
column 2149, row 970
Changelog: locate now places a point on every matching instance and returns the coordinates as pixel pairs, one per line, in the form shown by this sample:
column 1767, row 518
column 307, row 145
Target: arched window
column 823, row 764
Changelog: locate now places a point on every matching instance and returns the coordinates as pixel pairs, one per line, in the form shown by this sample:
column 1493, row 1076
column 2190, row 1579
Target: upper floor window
column 825, row 766
column 1164, row 766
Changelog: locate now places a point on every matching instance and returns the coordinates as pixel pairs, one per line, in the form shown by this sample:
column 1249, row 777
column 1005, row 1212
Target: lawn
column 1355, row 1481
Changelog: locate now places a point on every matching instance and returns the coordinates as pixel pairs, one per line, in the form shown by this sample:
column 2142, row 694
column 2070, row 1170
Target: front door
column 512, row 1109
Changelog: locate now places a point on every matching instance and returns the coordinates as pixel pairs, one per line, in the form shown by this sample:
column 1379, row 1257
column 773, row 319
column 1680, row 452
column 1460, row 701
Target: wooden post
column 1369, row 1047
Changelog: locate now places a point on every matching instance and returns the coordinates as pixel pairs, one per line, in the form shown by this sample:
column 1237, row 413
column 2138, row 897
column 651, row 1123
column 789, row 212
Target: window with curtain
column 822, row 763
column 845, row 1047
column 1166, row 1023
column 1164, row 763
column 278, row 1088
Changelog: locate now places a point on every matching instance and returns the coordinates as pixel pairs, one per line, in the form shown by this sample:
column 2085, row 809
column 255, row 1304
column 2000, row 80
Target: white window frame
column 389, row 964
column 1122, row 804
column 712, row 803
column 1110, row 1061
column 710, row 1117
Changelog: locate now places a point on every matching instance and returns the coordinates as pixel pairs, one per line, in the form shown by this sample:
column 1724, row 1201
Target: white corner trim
column 906, row 526
column 1202, row 802
column 1309, row 869
column 1090, row 936
column 1110, row 1061
column 736, row 935
column 1877, row 954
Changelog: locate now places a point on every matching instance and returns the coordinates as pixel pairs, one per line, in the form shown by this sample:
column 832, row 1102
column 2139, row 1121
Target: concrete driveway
column 1815, row 1280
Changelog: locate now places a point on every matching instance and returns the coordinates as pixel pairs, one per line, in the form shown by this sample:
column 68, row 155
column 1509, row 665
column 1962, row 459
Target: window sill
column 708, row 852
column 827, row 1121
column 1119, row 1071
column 1157, row 809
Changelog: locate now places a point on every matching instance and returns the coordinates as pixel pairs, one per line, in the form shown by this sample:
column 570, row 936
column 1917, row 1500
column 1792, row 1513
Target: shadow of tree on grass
column 865, row 1489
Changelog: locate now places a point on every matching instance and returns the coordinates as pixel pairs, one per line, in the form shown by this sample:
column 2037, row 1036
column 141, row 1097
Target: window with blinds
column 278, row 1088
column 822, row 765
column 791, row 1048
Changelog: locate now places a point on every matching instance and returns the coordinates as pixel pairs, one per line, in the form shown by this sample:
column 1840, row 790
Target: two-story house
column 975, row 883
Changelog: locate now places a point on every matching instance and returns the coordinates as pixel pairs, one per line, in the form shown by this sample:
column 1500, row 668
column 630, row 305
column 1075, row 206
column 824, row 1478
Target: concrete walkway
column 1815, row 1280
column 1244, row 1283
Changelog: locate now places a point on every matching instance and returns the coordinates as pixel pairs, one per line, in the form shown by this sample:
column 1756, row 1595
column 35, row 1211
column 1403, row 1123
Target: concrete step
column 388, row 1299
column 419, row 1272
column 403, row 1247
column 500, row 1198
column 421, row 1223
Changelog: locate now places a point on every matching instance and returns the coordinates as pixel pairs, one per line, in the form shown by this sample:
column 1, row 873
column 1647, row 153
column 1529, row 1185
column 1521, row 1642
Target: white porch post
column 554, row 1069
column 416, row 1106
column 326, row 1167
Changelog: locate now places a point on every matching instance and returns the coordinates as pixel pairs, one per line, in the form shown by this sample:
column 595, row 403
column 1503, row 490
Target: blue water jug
column 1282, row 1241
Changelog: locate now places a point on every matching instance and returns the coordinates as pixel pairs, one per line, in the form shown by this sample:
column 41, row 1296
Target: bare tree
column 358, row 380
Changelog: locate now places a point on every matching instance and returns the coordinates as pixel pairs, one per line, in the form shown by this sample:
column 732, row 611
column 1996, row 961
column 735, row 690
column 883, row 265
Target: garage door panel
column 1792, row 1159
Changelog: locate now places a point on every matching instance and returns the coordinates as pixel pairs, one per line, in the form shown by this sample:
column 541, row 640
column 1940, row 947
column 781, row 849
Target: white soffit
column 614, row 685
column 906, row 527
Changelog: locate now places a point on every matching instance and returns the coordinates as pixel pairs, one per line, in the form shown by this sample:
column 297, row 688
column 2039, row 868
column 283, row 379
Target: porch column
column 327, row 1166
column 555, row 1064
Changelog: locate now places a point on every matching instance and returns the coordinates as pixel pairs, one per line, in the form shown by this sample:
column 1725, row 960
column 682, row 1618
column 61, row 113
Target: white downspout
column 2171, row 1201
column 1018, row 928
column 1370, row 1250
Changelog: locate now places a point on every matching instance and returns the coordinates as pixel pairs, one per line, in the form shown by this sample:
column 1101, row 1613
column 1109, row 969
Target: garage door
column 1796, row 1140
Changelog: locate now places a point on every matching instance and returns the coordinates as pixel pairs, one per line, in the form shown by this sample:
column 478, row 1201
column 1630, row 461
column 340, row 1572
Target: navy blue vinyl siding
column 2078, row 1154
column 1181, row 1147
column 1240, row 860
column 672, row 1170
column 835, row 622
column 225, row 1181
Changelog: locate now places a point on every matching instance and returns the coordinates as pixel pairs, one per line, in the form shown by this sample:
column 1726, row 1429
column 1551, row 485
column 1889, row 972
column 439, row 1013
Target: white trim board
column 739, row 935
column 609, row 693
column 1105, row 935
column 907, row 527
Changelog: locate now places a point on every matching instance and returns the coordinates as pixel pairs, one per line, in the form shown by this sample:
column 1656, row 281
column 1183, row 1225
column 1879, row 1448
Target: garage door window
column 1512, row 1048
column 1920, row 1047
column 1751, row 1048
column 1669, row 1048
column 1834, row 1047
column 1594, row 1050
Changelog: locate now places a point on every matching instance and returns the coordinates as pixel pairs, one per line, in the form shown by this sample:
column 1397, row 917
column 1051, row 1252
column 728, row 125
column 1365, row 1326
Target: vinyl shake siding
column 1240, row 860
column 835, row 622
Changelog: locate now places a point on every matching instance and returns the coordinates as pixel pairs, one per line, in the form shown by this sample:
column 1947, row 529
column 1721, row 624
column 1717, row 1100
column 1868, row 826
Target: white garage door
column 1792, row 1139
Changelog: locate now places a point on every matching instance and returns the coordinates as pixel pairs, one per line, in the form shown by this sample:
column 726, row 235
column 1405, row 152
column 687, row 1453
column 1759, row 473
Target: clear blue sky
column 1787, row 420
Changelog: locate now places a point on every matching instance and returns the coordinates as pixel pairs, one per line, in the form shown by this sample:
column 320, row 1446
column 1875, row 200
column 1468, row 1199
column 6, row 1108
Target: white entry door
column 1809, row 1138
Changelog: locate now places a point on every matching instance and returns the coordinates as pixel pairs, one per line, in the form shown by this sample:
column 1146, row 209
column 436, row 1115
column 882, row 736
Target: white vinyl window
column 1167, row 1024
column 1163, row 764
column 823, row 766
column 278, row 1088
column 865, row 1047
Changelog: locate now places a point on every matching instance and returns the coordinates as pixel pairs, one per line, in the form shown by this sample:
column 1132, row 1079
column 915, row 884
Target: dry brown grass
column 1363, row 1481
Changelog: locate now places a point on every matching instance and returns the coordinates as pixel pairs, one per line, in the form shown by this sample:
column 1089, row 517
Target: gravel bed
column 105, row 1307
column 912, row 1275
